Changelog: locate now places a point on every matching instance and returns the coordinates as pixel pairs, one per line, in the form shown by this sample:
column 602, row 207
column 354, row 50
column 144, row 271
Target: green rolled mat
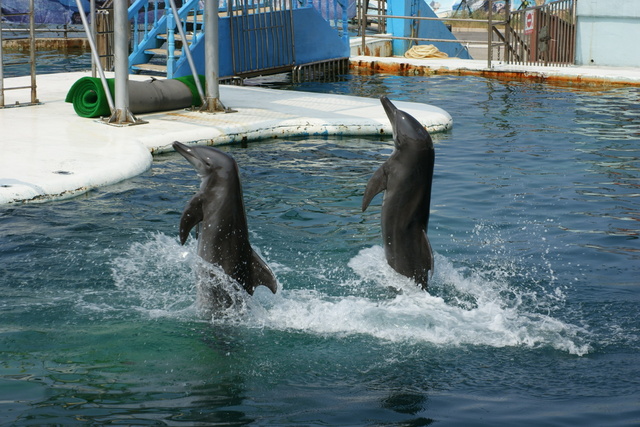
column 90, row 100
column 191, row 84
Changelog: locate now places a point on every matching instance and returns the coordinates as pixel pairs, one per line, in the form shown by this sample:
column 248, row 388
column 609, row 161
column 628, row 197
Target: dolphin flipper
column 191, row 216
column 261, row 274
column 377, row 183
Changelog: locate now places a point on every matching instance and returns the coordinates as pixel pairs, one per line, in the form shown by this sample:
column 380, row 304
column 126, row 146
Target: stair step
column 177, row 37
column 157, row 68
column 163, row 52
column 197, row 19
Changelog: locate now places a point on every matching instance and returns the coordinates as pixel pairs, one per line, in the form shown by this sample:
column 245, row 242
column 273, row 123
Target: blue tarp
column 58, row 12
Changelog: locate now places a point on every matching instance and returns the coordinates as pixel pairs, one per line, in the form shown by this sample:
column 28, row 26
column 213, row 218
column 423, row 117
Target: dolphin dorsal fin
column 377, row 183
column 191, row 216
column 261, row 274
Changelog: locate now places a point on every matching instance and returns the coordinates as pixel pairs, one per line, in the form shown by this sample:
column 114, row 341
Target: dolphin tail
column 191, row 216
column 423, row 271
column 261, row 274
column 377, row 183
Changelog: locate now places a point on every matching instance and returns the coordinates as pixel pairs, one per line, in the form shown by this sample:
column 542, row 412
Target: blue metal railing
column 149, row 22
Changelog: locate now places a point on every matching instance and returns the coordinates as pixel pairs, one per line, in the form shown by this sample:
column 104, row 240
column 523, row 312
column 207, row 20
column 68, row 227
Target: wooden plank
column 151, row 67
column 177, row 37
column 163, row 52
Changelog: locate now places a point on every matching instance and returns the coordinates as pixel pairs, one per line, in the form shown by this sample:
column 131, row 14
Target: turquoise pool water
column 16, row 63
column 532, row 317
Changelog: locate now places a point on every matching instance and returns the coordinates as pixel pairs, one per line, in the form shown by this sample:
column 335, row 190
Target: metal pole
column 94, row 54
column 507, row 32
column 94, row 33
column 121, row 114
column 490, row 34
column 211, row 57
column 32, row 47
column 572, row 54
column 1, row 64
column 363, row 26
column 186, row 49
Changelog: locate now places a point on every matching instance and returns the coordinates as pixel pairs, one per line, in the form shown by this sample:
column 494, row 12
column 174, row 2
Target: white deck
column 48, row 152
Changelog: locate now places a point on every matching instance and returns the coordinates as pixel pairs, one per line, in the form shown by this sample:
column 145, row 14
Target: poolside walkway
column 48, row 152
column 573, row 75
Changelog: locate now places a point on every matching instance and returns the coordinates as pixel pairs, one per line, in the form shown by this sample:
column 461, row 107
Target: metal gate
column 261, row 36
column 544, row 35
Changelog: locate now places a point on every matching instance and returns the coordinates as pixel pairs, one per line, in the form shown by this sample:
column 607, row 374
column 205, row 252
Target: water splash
column 463, row 309
column 156, row 277
column 464, row 306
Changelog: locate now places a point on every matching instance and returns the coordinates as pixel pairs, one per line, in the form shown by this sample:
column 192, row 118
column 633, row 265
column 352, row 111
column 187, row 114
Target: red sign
column 528, row 22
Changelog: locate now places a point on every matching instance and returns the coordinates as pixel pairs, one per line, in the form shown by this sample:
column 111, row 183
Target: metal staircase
column 157, row 46
column 257, row 36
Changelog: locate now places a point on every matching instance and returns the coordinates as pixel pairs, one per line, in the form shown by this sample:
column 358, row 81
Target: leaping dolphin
column 224, row 236
column 406, row 179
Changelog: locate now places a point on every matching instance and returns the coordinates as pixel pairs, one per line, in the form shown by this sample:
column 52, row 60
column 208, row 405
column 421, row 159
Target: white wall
column 608, row 33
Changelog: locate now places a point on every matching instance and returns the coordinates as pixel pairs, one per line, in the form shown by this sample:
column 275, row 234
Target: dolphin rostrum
column 219, row 209
column 406, row 179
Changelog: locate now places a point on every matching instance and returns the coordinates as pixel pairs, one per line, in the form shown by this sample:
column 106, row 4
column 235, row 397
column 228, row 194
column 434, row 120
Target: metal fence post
column 211, row 56
column 490, row 34
column 1, row 64
column 507, row 31
column 121, row 114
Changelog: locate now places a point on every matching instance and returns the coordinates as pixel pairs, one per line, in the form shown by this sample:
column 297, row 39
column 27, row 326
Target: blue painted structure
column 307, row 47
column 311, row 37
column 608, row 33
column 420, row 29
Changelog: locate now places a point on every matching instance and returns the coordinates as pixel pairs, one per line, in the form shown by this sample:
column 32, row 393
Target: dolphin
column 219, row 210
column 405, row 177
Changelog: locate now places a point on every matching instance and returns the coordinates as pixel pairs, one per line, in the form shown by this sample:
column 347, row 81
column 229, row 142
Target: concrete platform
column 572, row 75
column 48, row 152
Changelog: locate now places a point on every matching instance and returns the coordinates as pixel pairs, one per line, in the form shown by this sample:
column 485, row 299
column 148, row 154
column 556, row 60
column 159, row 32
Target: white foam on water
column 412, row 315
column 155, row 277
column 464, row 307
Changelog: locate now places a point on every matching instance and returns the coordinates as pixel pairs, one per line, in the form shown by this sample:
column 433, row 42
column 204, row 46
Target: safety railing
column 31, row 61
column 262, row 33
column 380, row 17
column 262, row 37
column 377, row 23
column 65, row 31
column 322, row 71
column 104, row 35
column 543, row 35
column 150, row 22
column 145, row 16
